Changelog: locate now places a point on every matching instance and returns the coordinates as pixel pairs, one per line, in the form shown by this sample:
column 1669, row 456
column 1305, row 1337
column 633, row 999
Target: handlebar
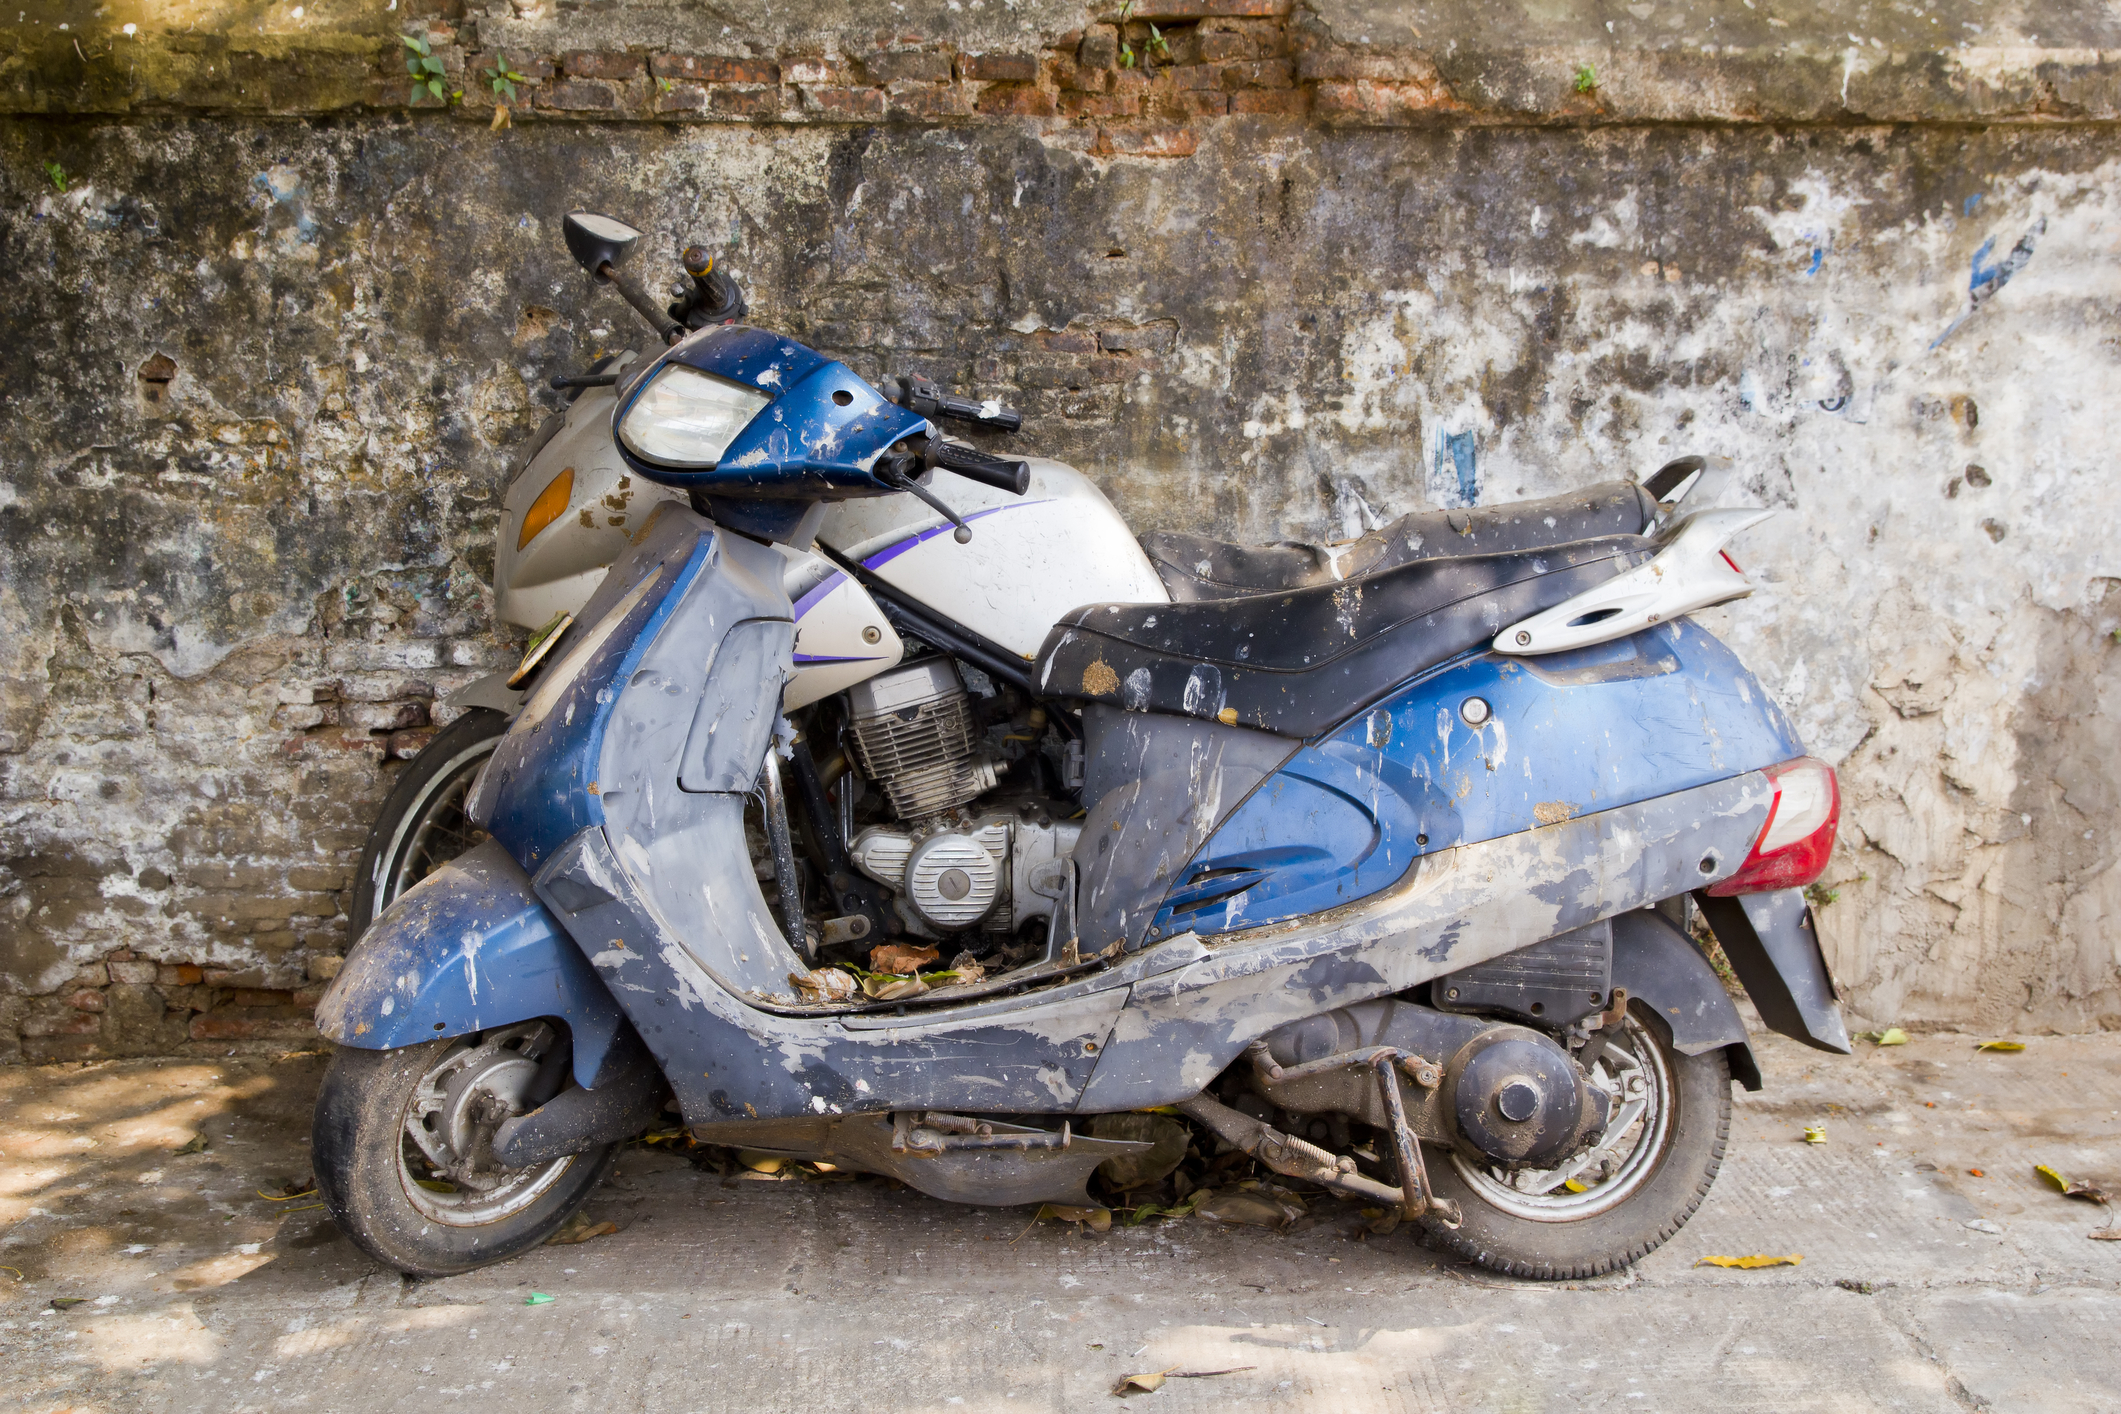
column 920, row 395
column 974, row 465
column 647, row 308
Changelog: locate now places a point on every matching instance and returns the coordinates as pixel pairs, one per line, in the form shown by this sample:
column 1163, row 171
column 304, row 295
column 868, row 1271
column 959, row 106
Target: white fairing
column 841, row 636
column 566, row 560
column 1691, row 572
column 1031, row 558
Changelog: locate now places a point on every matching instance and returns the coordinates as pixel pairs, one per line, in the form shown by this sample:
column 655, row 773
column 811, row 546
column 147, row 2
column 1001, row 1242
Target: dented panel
column 1463, row 906
column 1483, row 747
column 466, row 948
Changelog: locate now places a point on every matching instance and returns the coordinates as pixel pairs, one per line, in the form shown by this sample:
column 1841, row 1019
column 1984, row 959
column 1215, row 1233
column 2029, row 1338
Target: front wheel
column 403, row 1147
column 1617, row 1201
column 422, row 825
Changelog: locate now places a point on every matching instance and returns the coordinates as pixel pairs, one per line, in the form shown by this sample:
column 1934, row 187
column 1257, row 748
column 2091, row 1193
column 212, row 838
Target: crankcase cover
column 1519, row 1098
column 952, row 880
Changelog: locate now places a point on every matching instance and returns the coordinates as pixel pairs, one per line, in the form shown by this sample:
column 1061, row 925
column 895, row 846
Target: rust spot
column 1553, row 812
column 1099, row 680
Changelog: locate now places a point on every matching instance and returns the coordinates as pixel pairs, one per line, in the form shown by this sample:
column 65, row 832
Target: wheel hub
column 446, row 1160
column 476, row 1099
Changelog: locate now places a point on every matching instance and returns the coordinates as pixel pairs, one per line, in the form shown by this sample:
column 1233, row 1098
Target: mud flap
column 1659, row 965
column 469, row 947
column 1774, row 948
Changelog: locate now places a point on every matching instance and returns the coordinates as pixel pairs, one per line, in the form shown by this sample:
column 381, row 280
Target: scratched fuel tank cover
column 1475, row 710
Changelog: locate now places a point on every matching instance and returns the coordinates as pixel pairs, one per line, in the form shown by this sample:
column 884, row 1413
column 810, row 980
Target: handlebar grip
column 1011, row 476
column 965, row 410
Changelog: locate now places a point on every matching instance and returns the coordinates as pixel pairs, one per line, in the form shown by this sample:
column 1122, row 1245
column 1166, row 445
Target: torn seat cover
column 1195, row 568
column 1299, row 662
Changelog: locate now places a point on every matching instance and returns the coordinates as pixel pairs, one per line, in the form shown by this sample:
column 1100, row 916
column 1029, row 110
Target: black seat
column 1195, row 568
column 1303, row 661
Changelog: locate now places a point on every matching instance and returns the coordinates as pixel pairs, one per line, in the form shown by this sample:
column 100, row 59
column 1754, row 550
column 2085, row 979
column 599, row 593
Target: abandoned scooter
column 1363, row 860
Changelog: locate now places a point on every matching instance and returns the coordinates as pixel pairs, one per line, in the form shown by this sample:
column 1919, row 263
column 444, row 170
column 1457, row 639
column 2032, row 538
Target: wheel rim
column 1635, row 1073
column 436, row 829
column 445, row 1150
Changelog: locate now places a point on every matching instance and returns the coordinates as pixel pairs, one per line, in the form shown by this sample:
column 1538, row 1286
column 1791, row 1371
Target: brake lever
column 890, row 474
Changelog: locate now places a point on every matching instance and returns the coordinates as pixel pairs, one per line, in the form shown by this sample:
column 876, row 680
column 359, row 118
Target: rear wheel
column 403, row 1147
column 422, row 825
column 1622, row 1198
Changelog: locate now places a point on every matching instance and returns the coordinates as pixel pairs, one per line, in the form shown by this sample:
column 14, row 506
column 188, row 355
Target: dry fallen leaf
column 2001, row 1046
column 1815, row 1134
column 900, row 958
column 1749, row 1263
column 1150, row 1384
column 1890, row 1036
column 1250, row 1208
column 579, row 1229
column 2105, row 1234
column 892, row 989
column 2061, row 1183
column 825, row 984
column 1096, row 1219
column 194, row 1145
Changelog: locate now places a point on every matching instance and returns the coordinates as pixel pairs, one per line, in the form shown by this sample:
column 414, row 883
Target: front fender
column 468, row 947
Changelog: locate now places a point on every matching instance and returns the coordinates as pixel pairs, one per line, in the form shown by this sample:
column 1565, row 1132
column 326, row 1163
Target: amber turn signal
column 550, row 505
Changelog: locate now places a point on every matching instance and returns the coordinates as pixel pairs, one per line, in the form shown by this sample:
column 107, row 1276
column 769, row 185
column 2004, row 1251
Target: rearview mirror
column 596, row 241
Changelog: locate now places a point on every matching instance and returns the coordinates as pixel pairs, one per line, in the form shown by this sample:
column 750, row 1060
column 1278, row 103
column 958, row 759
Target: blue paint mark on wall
column 1454, row 455
column 1971, row 202
column 1985, row 279
column 1818, row 259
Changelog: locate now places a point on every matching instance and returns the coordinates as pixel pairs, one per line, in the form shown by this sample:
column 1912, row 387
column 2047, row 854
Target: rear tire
column 370, row 1164
column 1565, row 1236
column 422, row 825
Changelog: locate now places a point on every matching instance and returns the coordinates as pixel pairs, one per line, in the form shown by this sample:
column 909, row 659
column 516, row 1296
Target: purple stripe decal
column 825, row 586
column 892, row 552
column 802, row 658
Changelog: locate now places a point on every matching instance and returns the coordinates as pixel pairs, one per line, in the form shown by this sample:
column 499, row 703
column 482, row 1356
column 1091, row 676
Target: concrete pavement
column 746, row 1295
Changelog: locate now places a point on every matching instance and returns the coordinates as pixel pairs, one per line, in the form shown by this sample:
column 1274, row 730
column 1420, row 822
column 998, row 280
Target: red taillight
column 1795, row 843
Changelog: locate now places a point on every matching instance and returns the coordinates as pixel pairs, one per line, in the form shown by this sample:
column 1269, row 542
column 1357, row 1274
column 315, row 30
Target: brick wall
column 276, row 331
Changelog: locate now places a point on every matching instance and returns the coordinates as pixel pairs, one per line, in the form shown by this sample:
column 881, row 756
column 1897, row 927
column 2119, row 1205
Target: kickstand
column 1416, row 1197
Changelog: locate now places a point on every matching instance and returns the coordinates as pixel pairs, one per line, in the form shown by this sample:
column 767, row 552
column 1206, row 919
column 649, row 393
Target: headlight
column 685, row 418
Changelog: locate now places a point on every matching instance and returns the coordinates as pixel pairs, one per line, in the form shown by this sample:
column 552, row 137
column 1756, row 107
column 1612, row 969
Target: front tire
column 1645, row 1179
column 422, row 825
column 402, row 1143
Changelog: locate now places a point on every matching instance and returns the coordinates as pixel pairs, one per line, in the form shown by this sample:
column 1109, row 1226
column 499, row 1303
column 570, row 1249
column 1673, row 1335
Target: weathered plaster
column 231, row 587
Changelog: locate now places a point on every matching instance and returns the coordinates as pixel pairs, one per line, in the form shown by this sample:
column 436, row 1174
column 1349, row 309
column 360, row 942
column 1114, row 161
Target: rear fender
column 1658, row 965
column 1774, row 948
column 467, row 948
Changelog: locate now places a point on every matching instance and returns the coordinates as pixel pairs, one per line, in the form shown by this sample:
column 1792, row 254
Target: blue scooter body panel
column 1562, row 735
column 540, row 789
column 468, row 947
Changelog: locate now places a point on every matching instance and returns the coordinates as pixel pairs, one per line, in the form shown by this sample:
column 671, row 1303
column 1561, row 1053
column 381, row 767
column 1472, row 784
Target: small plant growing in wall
column 427, row 73
column 57, row 173
column 503, row 81
column 1586, row 79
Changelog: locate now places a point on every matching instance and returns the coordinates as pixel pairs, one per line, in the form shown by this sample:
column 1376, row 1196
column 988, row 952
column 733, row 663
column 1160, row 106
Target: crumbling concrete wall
column 271, row 335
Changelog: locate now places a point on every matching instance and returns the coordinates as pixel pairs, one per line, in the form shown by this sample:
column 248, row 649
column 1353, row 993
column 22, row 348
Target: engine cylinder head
column 914, row 735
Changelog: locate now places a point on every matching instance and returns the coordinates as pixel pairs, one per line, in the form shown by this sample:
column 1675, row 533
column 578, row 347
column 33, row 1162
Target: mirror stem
column 647, row 308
